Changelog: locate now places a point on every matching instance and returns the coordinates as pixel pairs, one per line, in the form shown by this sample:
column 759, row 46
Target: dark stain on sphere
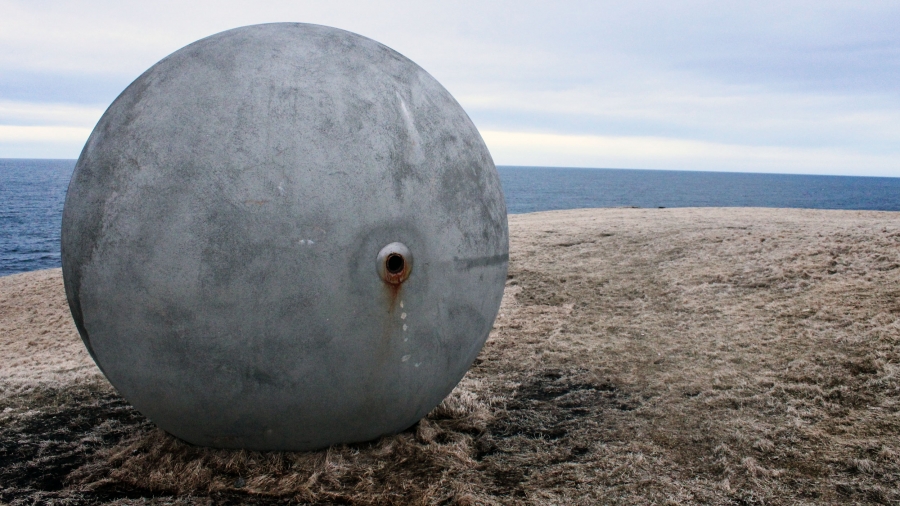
column 284, row 236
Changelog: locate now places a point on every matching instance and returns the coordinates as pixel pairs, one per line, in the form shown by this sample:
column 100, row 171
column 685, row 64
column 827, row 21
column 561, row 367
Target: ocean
column 32, row 193
column 531, row 189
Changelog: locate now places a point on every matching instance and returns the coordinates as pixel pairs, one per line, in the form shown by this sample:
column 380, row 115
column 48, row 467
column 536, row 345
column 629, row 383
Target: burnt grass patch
column 559, row 400
column 60, row 432
column 548, row 418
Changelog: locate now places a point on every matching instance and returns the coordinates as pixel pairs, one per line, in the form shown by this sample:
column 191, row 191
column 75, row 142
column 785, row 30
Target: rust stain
column 383, row 371
column 393, row 292
column 393, row 281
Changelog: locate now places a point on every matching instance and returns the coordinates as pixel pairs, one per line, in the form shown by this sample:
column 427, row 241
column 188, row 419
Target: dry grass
column 722, row 356
column 39, row 345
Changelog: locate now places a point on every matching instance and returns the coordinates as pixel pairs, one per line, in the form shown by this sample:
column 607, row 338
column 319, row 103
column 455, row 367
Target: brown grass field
column 642, row 356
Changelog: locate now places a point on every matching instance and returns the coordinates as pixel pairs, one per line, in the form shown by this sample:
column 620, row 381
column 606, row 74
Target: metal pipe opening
column 394, row 263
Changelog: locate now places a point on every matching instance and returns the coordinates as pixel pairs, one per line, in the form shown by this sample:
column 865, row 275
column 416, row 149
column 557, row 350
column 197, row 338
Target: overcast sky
column 795, row 87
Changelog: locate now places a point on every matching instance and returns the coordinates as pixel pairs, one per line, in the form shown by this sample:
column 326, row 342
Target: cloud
column 812, row 79
column 35, row 114
column 43, row 134
column 856, row 122
column 39, row 130
column 42, row 141
column 554, row 150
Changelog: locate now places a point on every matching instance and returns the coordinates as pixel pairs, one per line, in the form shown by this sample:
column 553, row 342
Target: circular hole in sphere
column 395, row 264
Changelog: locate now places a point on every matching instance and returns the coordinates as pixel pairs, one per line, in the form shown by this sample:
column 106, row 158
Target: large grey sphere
column 284, row 236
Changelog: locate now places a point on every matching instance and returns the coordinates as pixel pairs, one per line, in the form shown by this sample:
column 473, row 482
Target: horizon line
column 592, row 168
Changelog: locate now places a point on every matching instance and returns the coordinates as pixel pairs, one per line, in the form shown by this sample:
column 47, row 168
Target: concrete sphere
column 282, row 237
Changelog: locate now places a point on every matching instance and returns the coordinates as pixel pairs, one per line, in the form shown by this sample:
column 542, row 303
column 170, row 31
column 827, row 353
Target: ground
column 682, row 356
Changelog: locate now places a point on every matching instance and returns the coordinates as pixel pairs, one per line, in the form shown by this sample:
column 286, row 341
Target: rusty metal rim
column 394, row 263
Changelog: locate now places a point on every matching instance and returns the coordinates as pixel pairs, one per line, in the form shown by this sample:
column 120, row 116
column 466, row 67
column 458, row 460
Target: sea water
column 32, row 193
column 530, row 189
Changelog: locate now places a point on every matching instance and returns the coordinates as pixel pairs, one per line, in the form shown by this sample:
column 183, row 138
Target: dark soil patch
column 63, row 431
column 40, row 447
column 548, row 414
column 559, row 400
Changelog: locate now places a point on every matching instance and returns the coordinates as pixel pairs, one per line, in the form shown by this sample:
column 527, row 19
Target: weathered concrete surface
column 222, row 225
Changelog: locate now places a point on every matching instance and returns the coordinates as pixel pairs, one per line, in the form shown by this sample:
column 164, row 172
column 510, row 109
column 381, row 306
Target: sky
column 803, row 87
